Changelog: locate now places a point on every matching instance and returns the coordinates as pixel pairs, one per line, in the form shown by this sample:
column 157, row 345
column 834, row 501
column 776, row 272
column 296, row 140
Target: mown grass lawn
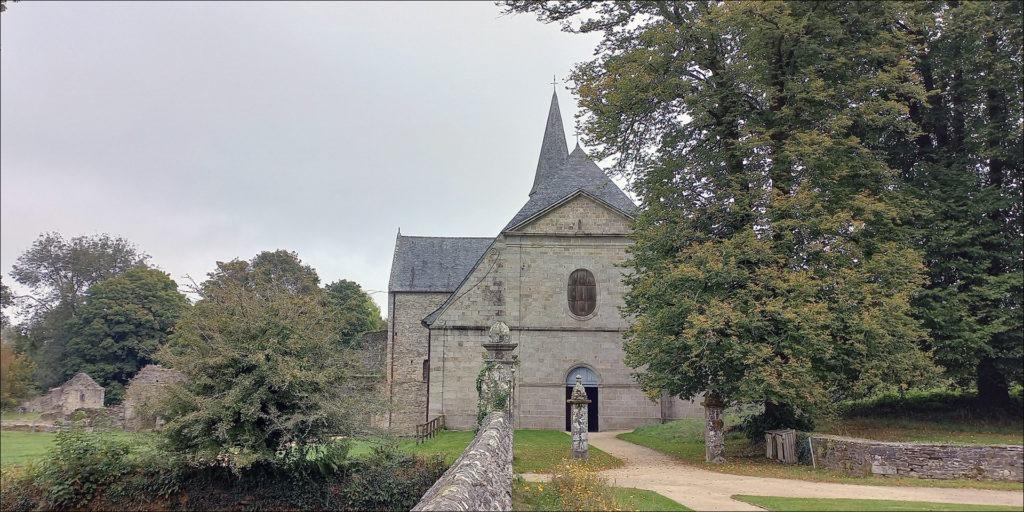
column 684, row 439
column 535, row 451
column 774, row 503
column 17, row 448
column 528, row 496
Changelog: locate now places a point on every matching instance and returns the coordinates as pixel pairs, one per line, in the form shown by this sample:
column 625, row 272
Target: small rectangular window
column 426, row 369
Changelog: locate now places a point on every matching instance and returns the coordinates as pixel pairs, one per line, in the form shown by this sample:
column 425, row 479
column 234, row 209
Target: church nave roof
column 434, row 263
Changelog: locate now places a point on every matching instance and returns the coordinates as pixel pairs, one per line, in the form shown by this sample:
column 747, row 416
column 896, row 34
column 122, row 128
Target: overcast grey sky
column 209, row 131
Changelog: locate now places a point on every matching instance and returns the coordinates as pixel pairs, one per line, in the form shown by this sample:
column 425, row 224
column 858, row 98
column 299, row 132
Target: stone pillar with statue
column 578, row 402
column 496, row 383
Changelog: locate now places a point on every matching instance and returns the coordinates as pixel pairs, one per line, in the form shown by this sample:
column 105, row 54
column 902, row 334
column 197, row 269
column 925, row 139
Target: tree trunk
column 992, row 387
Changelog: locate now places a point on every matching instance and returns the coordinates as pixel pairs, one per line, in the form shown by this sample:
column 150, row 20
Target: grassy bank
column 936, row 416
column 17, row 448
column 535, row 451
column 539, row 496
column 684, row 439
column 774, row 503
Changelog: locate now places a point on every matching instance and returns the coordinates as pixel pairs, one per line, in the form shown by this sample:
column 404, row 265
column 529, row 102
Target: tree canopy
column 776, row 258
column 58, row 271
column 121, row 324
column 357, row 313
column 265, row 370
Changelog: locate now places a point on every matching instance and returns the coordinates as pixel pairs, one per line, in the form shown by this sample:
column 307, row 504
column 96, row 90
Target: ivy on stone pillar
column 578, row 420
column 714, row 428
column 496, row 382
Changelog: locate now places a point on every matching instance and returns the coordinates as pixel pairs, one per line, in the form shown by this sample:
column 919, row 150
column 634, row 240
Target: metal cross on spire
column 554, row 81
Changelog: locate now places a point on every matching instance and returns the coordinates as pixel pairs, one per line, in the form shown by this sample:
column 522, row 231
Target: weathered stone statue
column 714, row 428
column 496, row 383
column 578, row 420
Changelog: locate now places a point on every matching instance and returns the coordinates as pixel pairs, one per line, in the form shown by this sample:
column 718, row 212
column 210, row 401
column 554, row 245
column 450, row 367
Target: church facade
column 552, row 275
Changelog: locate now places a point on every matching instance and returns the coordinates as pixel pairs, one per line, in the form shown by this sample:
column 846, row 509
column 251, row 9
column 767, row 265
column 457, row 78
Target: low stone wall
column 918, row 460
column 481, row 478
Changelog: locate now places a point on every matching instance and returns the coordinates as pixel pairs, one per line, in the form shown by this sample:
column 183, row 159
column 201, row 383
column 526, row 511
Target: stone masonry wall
column 918, row 460
column 79, row 392
column 406, row 351
column 580, row 215
column 481, row 478
column 144, row 393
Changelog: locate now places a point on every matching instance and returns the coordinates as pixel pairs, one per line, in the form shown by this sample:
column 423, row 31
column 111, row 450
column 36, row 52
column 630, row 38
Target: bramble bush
column 101, row 471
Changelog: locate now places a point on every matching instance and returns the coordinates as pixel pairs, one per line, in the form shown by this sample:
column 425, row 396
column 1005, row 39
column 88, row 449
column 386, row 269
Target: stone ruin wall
column 143, row 392
column 76, row 393
column 918, row 460
column 481, row 478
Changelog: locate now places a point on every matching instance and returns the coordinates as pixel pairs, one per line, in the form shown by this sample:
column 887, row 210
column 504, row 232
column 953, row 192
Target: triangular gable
column 596, row 217
column 429, row 319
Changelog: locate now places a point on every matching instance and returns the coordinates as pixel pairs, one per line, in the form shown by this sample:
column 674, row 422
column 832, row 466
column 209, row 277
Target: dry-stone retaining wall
column 481, row 478
column 918, row 460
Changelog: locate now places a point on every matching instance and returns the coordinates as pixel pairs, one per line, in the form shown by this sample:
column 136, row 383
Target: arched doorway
column 589, row 378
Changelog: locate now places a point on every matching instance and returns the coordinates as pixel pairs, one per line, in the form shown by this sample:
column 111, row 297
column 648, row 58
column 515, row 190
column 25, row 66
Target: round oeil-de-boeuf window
column 582, row 292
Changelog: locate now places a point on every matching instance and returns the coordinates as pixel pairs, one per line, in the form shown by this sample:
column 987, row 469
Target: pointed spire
column 553, row 150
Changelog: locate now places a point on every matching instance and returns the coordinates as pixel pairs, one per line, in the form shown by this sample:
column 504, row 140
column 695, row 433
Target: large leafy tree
column 15, row 376
column 356, row 311
column 268, row 270
column 769, row 264
column 265, row 370
column 57, row 272
column 964, row 169
column 120, row 325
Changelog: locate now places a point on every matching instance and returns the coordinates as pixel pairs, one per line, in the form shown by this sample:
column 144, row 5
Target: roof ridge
column 442, row 236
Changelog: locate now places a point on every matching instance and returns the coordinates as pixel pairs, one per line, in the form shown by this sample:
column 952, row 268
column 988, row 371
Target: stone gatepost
column 578, row 420
column 714, row 428
column 496, row 382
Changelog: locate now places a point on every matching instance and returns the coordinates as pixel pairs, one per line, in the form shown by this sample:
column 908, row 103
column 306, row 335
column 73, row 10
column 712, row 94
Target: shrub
column 99, row 471
column 80, row 466
column 390, row 480
column 17, row 493
column 931, row 404
column 756, row 424
column 580, row 488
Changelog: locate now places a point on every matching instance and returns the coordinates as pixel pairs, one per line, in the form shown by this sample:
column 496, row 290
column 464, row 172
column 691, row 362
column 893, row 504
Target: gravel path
column 700, row 489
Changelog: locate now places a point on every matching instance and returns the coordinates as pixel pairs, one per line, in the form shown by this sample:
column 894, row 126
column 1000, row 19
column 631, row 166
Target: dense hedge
column 102, row 472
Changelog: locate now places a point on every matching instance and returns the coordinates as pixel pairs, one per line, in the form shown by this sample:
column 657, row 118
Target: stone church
column 551, row 276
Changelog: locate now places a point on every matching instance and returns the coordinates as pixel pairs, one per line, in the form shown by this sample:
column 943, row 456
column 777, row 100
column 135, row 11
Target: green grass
column 535, row 451
column 17, row 448
column 540, row 451
column 842, row 504
column 684, row 439
column 535, row 497
column 937, row 416
column 642, row 499
column 449, row 444
column 925, row 431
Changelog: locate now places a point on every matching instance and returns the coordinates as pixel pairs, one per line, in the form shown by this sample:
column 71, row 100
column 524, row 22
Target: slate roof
column 561, row 174
column 434, row 263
